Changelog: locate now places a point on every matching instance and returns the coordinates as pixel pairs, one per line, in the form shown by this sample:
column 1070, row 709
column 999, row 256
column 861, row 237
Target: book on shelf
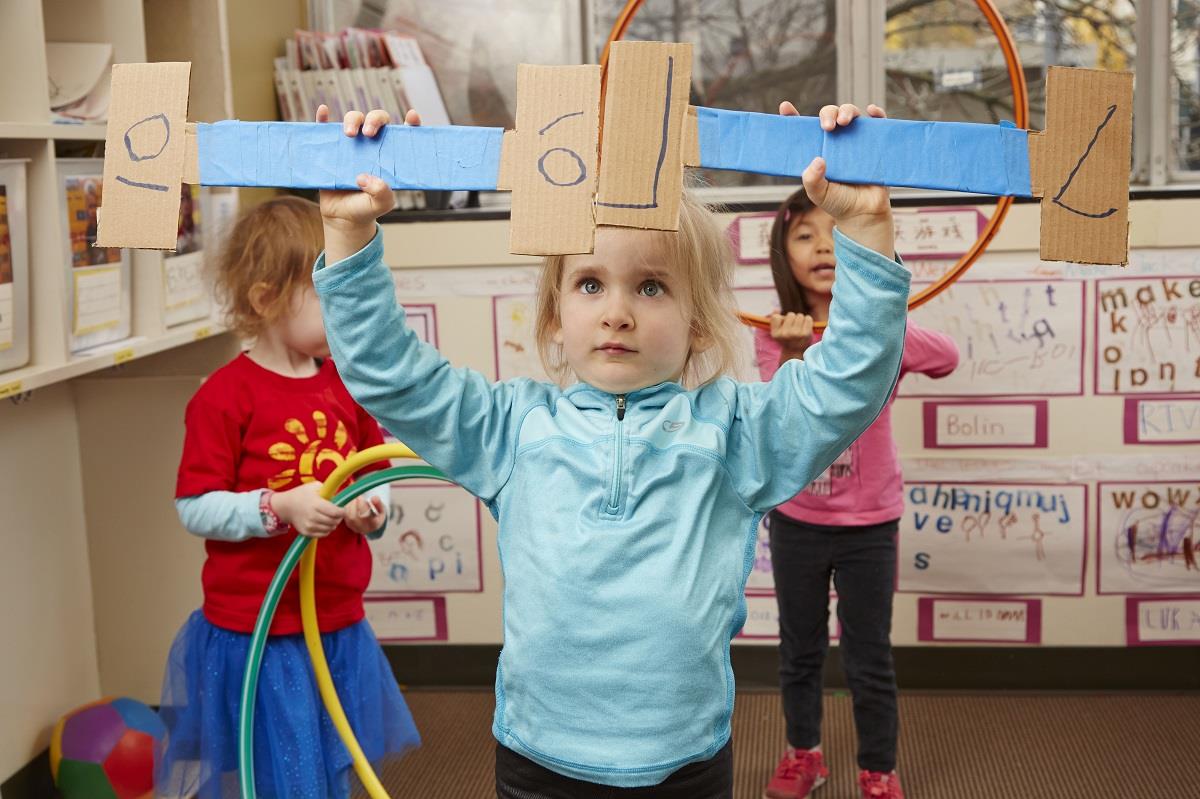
column 358, row 70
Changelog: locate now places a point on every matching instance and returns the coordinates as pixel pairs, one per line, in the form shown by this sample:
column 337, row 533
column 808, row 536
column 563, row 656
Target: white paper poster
column 1016, row 337
column 515, row 348
column 431, row 544
column 1148, row 335
column 992, row 538
column 185, row 291
column 1167, row 621
column 97, row 299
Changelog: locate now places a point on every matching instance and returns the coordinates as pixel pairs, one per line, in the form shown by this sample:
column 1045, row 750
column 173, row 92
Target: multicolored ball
column 105, row 750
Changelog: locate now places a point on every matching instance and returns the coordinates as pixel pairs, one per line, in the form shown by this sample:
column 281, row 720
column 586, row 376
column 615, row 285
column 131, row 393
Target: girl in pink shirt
column 843, row 525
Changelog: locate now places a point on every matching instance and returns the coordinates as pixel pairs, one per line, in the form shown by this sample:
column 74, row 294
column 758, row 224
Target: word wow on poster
column 1147, row 536
column 992, row 538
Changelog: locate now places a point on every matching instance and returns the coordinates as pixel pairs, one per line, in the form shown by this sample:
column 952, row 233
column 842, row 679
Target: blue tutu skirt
column 297, row 752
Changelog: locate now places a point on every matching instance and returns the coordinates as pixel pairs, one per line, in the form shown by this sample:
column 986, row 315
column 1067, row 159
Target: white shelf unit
column 99, row 573
column 158, row 30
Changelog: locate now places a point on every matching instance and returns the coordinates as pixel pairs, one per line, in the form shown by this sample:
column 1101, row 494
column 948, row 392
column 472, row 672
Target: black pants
column 862, row 562
column 518, row 777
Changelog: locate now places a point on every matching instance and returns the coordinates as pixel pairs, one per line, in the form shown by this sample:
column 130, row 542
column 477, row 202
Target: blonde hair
column 274, row 243
column 700, row 253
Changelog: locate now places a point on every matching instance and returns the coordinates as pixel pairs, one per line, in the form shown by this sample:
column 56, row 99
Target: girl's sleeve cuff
column 327, row 277
column 883, row 271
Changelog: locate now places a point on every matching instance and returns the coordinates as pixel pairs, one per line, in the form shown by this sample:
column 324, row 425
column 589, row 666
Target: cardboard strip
column 144, row 155
column 549, row 161
column 191, row 155
column 641, row 161
column 1080, row 166
column 691, row 138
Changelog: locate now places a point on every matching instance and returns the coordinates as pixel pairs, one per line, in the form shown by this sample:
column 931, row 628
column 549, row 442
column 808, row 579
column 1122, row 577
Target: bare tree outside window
column 748, row 55
column 944, row 62
column 1185, row 84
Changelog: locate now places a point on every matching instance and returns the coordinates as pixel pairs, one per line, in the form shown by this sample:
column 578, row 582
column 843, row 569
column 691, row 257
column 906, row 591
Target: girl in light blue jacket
column 627, row 502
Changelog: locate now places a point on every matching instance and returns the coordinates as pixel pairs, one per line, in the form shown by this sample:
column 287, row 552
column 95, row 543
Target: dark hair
column 791, row 296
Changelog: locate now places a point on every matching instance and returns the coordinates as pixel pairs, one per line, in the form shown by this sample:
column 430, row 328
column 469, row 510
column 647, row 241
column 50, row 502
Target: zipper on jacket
column 614, row 495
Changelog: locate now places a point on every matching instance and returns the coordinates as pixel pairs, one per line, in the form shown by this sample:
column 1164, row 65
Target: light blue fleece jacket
column 625, row 539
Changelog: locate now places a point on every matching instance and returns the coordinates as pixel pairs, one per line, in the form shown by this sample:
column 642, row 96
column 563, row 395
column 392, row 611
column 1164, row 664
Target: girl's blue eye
column 589, row 285
column 652, row 288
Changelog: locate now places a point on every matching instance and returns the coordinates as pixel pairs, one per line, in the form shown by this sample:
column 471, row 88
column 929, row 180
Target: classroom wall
column 140, row 576
column 145, row 567
column 1036, row 581
column 97, row 573
column 49, row 665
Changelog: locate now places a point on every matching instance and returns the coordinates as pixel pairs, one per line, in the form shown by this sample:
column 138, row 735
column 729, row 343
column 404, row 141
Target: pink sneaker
column 877, row 785
column 799, row 772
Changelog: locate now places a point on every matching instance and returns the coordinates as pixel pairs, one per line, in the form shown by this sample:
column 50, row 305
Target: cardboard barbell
column 565, row 181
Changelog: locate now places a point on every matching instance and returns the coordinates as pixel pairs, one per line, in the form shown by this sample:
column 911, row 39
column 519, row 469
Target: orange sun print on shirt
column 311, row 450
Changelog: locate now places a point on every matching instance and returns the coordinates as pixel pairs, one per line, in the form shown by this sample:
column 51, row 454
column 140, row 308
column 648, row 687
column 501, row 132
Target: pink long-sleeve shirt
column 863, row 486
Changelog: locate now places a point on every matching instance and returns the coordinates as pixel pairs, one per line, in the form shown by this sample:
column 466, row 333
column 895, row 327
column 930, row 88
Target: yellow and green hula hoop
column 304, row 551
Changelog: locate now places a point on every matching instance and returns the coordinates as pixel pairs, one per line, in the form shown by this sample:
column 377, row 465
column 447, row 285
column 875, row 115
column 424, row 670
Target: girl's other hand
column 794, row 332
column 307, row 511
column 862, row 212
column 366, row 515
column 350, row 216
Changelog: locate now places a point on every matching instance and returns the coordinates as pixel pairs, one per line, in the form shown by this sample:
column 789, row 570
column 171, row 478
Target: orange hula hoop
column 1016, row 76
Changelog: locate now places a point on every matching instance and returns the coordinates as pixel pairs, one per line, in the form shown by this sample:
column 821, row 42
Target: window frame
column 860, row 26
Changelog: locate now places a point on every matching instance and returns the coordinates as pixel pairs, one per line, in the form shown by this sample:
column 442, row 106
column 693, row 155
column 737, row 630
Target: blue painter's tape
column 309, row 155
column 764, row 143
column 954, row 156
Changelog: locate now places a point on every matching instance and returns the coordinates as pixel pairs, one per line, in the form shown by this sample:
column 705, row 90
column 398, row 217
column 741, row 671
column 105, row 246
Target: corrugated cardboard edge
column 191, row 156
column 691, row 138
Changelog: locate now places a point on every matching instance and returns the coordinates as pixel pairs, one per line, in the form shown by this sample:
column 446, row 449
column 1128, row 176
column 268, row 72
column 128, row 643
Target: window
column 1185, row 86
column 943, row 62
column 925, row 59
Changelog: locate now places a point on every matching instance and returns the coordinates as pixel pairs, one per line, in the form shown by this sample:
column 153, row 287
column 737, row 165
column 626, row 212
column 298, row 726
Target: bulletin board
column 1052, row 482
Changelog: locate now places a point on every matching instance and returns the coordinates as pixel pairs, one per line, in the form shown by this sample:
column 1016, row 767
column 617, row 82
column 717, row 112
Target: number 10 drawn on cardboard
column 566, row 178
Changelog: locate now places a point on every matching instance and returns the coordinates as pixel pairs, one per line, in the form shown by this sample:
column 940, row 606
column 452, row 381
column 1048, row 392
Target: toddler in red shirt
column 263, row 432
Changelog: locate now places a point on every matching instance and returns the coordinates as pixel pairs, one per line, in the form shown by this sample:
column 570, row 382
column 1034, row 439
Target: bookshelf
column 26, row 132
column 90, row 439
